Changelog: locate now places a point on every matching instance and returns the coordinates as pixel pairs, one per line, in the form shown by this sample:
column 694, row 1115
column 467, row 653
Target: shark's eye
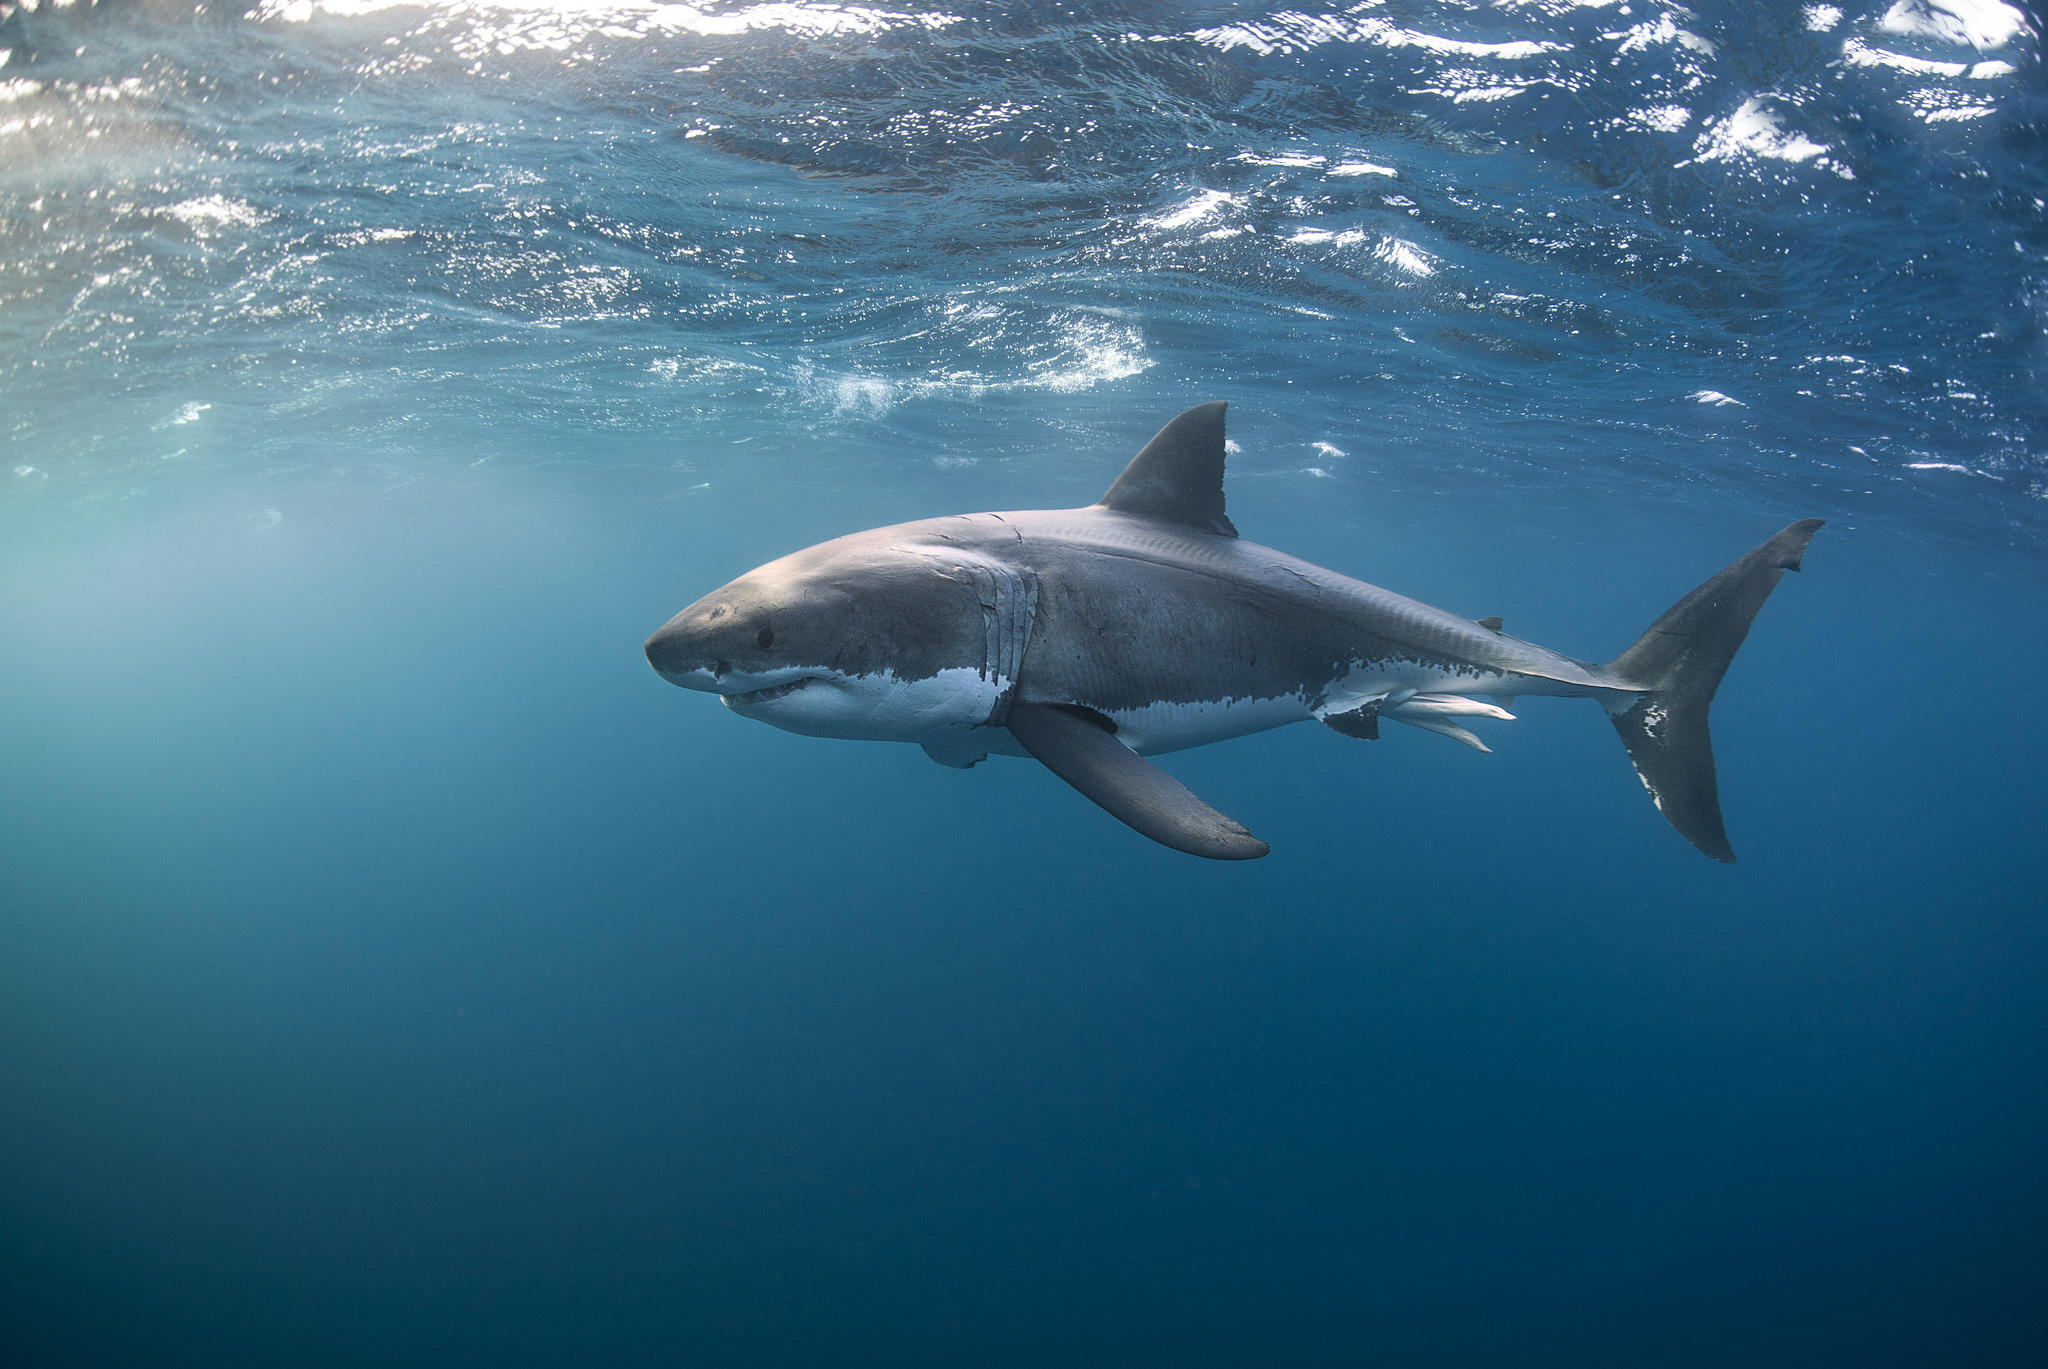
column 766, row 637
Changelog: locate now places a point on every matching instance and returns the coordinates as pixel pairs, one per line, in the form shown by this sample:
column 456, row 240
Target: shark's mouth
column 773, row 692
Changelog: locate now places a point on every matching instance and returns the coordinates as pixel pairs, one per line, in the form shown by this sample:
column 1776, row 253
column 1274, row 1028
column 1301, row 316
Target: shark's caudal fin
column 1678, row 665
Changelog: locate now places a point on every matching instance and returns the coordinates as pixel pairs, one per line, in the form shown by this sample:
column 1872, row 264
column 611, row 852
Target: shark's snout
column 679, row 660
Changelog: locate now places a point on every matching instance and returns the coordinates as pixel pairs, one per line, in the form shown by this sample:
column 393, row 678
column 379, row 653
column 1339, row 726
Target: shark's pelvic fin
column 1178, row 478
column 1675, row 668
column 961, row 753
column 1361, row 720
column 1127, row 786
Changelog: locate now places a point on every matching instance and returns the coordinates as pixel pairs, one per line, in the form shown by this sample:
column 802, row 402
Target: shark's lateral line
column 1092, row 638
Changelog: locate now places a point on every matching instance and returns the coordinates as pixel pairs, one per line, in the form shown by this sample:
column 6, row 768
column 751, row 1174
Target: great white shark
column 1092, row 638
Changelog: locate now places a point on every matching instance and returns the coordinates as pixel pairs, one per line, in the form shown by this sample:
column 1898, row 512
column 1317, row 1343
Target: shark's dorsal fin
column 1178, row 478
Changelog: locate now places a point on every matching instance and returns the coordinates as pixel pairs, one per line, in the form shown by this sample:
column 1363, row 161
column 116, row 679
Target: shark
column 1095, row 638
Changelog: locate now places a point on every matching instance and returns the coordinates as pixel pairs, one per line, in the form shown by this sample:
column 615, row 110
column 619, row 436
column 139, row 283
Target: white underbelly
column 1161, row 727
column 880, row 707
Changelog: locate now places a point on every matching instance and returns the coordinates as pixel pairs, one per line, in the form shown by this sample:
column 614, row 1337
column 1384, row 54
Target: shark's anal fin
column 1127, row 786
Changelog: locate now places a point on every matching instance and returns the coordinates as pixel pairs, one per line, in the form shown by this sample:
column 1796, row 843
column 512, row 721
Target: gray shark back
column 1132, row 612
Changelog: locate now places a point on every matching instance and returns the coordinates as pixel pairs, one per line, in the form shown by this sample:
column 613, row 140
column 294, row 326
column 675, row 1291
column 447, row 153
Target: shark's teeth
column 761, row 696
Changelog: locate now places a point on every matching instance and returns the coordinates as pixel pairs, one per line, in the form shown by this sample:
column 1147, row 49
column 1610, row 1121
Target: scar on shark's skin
column 1092, row 638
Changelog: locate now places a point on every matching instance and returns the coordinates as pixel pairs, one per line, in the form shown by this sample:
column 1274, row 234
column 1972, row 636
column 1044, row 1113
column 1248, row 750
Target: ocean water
column 394, row 970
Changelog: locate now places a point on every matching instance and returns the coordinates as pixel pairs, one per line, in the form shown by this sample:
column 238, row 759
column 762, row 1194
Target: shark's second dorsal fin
column 1178, row 478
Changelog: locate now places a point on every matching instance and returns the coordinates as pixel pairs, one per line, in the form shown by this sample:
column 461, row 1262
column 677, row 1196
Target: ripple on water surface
column 1638, row 244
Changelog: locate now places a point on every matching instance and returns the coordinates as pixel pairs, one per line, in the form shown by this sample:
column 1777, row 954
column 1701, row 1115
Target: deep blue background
column 393, row 969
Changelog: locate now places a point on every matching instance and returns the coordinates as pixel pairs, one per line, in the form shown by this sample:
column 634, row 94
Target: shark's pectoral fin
column 1127, row 786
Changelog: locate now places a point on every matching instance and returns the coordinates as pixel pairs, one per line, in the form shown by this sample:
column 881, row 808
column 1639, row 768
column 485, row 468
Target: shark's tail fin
column 1677, row 665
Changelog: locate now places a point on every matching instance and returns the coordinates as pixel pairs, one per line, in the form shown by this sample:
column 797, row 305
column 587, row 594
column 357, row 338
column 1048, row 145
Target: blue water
column 394, row 970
